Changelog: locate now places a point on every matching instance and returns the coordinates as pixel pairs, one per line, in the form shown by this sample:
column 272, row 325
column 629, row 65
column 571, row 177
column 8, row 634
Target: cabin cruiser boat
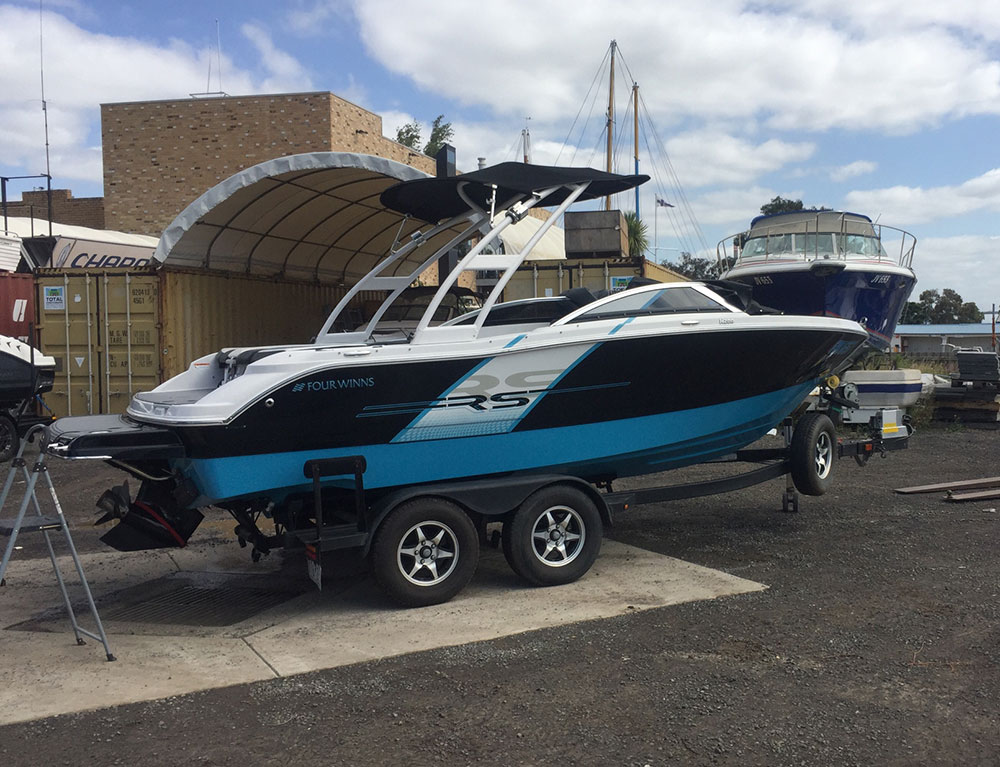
column 827, row 263
column 650, row 378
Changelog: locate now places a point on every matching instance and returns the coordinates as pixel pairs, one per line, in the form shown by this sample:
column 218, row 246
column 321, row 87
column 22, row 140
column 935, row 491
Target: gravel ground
column 878, row 642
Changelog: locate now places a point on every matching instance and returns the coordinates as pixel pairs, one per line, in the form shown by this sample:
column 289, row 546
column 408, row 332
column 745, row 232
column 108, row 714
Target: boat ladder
column 45, row 524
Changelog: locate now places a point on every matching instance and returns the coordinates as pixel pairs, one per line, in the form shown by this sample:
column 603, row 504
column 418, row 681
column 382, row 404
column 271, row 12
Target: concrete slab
column 46, row 673
column 346, row 629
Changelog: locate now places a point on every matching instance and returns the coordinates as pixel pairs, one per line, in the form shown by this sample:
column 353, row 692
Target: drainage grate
column 198, row 606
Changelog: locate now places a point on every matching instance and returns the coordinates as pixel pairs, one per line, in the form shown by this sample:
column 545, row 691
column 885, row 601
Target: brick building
column 161, row 155
column 66, row 209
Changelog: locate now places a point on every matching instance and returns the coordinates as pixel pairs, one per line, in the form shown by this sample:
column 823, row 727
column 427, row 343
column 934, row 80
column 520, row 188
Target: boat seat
column 579, row 296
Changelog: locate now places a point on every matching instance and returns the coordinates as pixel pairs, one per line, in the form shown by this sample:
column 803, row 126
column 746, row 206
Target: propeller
column 114, row 503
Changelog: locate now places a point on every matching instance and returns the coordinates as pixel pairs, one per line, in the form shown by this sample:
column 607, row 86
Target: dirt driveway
column 877, row 642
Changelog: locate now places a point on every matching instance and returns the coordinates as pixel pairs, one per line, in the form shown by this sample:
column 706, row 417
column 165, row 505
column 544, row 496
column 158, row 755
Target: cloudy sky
column 883, row 107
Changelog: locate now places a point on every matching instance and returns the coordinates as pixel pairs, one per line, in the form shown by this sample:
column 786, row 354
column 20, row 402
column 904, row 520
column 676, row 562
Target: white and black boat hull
column 594, row 410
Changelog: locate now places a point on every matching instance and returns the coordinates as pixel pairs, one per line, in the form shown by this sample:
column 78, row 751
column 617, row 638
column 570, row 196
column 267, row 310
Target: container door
column 17, row 305
column 129, row 316
column 68, row 331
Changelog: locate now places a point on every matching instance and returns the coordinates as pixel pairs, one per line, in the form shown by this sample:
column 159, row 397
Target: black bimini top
column 434, row 199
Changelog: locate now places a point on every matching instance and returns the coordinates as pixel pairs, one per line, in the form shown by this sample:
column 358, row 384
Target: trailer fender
column 483, row 497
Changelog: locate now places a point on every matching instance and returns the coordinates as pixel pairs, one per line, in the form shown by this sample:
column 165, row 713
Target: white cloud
column 852, row 169
column 976, row 18
column 733, row 208
column 116, row 69
column 319, row 18
column 285, row 73
column 797, row 70
column 908, row 205
column 966, row 264
column 705, row 158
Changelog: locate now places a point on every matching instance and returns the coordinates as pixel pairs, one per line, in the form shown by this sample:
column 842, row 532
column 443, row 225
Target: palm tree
column 638, row 235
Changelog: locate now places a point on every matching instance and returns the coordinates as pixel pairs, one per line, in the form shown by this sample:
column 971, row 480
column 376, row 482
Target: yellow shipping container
column 550, row 278
column 114, row 333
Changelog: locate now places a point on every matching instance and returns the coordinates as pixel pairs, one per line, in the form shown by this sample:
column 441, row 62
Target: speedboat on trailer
column 650, row 378
column 825, row 262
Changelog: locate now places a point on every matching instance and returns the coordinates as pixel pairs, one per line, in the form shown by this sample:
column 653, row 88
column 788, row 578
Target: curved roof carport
column 310, row 217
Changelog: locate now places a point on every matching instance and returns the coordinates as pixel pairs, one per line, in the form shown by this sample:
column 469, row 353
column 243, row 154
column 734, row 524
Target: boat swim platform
column 186, row 620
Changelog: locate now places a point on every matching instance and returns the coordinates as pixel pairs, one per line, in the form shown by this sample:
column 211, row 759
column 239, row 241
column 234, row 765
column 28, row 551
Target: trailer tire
column 554, row 537
column 425, row 552
column 812, row 453
column 9, row 438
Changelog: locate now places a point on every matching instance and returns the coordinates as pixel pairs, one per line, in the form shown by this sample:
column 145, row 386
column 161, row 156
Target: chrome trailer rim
column 427, row 553
column 558, row 535
column 824, row 455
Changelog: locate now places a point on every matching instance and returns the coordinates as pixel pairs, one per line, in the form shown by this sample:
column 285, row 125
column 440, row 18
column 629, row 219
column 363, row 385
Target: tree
column 638, row 235
column 695, row 268
column 409, row 135
column 441, row 133
column 780, row 205
column 941, row 308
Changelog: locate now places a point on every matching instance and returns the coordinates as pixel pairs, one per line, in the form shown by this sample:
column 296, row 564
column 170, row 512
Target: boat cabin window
column 814, row 244
column 667, row 301
column 860, row 245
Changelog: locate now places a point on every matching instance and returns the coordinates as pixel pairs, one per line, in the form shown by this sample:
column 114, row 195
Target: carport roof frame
column 314, row 216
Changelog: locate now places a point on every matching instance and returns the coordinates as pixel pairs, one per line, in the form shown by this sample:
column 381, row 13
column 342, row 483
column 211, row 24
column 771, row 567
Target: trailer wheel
column 554, row 536
column 8, row 438
column 812, row 453
column 425, row 552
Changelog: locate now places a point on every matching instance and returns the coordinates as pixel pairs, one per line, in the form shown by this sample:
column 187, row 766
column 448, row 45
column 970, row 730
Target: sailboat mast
column 635, row 114
column 611, row 118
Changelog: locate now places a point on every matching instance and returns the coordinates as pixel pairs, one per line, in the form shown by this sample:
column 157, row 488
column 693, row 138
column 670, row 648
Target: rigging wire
column 597, row 75
column 621, row 145
column 583, row 130
column 683, row 212
column 676, row 183
column 513, row 148
column 681, row 218
column 596, row 149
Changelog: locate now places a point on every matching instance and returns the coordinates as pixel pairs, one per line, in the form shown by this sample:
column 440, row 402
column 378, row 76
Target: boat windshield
column 412, row 307
column 666, row 301
column 822, row 245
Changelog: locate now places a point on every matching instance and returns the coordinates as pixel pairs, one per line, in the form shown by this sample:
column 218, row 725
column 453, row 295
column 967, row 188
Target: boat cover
column 435, row 199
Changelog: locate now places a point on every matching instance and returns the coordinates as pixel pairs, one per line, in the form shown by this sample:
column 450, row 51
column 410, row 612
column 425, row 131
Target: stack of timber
column 973, row 397
column 963, row 490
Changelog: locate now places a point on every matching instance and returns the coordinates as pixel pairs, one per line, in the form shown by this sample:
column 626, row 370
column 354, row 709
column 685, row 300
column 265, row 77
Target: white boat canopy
column 313, row 216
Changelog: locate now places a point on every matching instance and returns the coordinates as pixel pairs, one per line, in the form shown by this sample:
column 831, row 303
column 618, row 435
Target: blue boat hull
column 626, row 447
column 874, row 299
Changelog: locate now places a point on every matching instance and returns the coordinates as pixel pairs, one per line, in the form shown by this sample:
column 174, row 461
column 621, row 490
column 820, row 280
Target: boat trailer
column 552, row 524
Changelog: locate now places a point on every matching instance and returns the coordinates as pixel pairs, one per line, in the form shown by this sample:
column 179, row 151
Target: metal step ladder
column 45, row 524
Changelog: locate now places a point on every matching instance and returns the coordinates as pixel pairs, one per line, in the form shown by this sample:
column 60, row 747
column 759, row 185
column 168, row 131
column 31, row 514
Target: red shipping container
column 17, row 304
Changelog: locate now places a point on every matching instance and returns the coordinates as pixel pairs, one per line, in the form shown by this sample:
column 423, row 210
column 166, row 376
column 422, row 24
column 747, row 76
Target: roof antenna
column 45, row 112
column 218, row 50
column 218, row 58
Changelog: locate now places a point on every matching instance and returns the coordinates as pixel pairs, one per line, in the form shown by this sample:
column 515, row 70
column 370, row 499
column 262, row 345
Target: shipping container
column 548, row 278
column 17, row 305
column 114, row 333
